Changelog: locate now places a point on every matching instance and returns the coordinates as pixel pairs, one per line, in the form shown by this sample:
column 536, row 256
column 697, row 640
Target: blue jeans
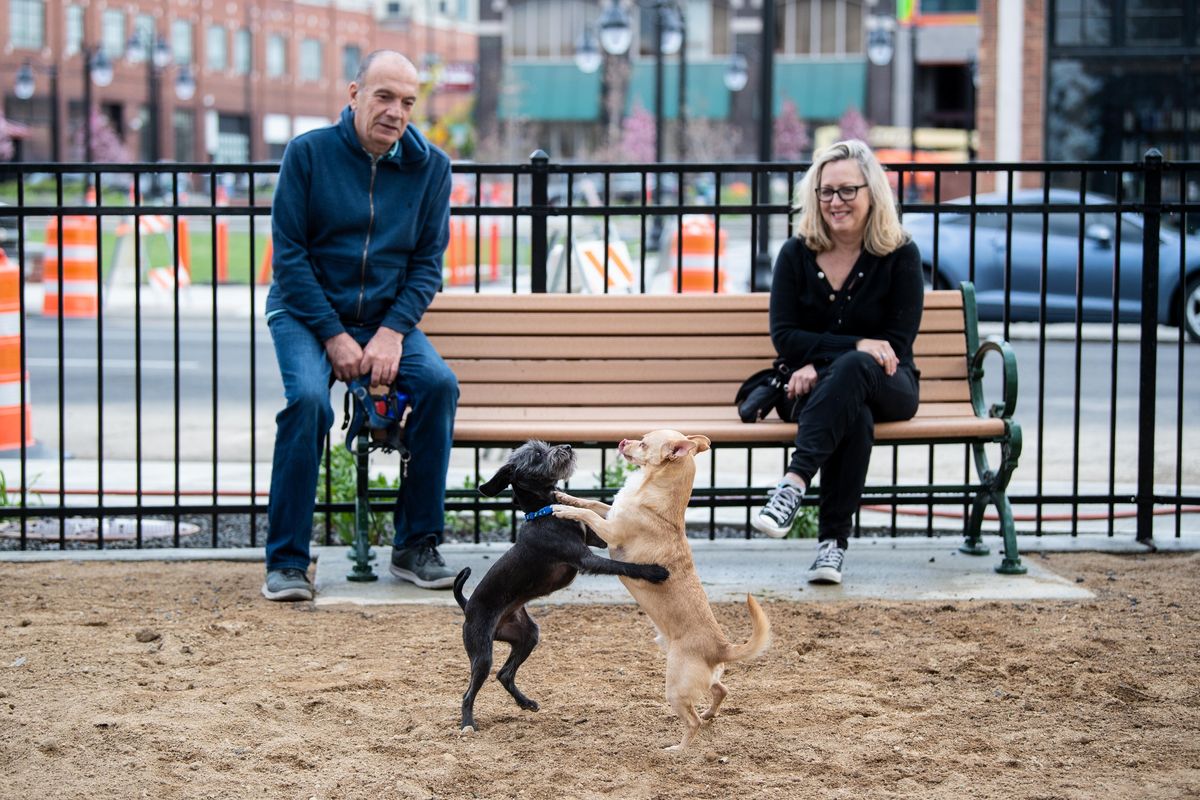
column 300, row 430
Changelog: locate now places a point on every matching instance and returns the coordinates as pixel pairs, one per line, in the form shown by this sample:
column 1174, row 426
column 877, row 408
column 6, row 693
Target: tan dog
column 645, row 524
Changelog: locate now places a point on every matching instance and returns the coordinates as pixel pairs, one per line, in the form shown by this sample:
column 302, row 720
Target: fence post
column 1148, row 355
column 540, row 200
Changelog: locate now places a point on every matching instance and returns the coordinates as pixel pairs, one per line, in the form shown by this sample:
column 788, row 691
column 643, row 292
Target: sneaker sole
column 763, row 526
column 287, row 594
column 824, row 575
column 412, row 577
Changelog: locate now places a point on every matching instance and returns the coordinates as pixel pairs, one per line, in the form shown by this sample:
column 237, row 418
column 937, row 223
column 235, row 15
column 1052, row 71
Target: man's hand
column 381, row 356
column 802, row 381
column 344, row 356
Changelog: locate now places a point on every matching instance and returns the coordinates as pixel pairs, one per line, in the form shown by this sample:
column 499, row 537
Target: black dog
column 549, row 552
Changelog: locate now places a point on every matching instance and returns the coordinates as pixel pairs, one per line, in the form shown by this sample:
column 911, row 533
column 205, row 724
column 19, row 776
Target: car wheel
column 1191, row 309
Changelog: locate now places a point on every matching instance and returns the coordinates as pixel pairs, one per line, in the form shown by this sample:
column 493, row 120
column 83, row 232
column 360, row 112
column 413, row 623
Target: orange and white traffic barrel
column 702, row 260
column 12, row 411
column 79, row 266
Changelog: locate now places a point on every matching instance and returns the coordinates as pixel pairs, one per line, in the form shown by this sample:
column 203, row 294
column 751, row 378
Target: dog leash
column 541, row 512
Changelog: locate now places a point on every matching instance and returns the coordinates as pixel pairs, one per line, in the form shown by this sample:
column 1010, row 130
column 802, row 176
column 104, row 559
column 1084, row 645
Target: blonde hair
column 883, row 233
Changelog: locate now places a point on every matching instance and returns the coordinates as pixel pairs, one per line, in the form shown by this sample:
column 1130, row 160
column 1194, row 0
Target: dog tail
column 458, row 585
column 760, row 637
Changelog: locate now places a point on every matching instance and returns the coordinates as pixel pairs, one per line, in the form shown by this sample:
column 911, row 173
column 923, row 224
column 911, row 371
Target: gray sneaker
column 422, row 564
column 827, row 568
column 287, row 584
column 776, row 517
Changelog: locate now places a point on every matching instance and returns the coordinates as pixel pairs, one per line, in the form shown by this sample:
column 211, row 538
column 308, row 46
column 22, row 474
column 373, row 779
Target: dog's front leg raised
column 585, row 515
column 579, row 502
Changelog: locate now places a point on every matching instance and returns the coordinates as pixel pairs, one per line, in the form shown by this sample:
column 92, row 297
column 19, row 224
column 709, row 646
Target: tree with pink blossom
column 107, row 147
column 790, row 134
column 7, row 150
column 853, row 125
column 637, row 136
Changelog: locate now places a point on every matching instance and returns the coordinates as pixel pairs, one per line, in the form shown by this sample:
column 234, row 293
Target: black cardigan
column 881, row 299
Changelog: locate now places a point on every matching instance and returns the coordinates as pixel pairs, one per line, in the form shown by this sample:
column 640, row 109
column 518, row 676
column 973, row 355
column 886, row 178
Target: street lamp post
column 766, row 102
column 616, row 35
column 157, row 55
column 24, row 88
column 96, row 69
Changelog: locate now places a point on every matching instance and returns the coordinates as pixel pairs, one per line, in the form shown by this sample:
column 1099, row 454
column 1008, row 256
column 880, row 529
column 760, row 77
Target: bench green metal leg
column 360, row 551
column 995, row 487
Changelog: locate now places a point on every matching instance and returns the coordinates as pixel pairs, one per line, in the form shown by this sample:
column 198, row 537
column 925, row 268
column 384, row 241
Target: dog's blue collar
column 541, row 512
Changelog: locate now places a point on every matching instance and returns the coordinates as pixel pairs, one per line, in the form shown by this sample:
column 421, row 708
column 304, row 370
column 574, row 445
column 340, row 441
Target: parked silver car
column 1021, row 257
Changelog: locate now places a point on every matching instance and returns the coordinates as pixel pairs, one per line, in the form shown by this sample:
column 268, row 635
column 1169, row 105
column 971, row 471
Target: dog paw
column 563, row 498
column 467, row 730
column 563, row 512
column 657, row 574
column 530, row 705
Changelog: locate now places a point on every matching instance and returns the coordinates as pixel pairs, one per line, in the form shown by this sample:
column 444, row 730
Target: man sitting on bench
column 360, row 220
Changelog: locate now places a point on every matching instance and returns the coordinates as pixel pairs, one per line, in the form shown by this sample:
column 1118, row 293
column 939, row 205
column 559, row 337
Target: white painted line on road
column 113, row 364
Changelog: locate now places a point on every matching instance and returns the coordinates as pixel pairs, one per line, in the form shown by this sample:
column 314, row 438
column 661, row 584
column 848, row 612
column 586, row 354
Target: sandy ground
column 178, row 680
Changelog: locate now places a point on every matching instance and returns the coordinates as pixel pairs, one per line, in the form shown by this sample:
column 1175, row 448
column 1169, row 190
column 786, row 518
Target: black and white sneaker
column 827, row 568
column 776, row 517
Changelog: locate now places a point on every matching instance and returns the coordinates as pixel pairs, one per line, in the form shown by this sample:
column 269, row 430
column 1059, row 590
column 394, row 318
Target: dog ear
column 702, row 442
column 498, row 483
column 673, row 451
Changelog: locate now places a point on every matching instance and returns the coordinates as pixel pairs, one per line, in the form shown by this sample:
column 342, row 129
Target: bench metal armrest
column 1005, row 409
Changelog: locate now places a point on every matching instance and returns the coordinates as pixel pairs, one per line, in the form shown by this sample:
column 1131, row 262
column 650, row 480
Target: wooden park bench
column 593, row 369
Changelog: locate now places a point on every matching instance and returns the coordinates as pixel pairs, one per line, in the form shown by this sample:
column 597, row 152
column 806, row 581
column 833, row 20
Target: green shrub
column 343, row 485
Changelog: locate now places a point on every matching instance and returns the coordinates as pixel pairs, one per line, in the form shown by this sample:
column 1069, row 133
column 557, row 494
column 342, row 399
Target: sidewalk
column 905, row 569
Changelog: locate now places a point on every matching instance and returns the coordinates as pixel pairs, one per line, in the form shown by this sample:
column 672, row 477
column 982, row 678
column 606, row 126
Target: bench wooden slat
column 722, row 431
column 535, row 347
column 721, row 413
column 618, row 347
column 499, row 370
column 572, row 323
column 705, row 393
column 469, row 301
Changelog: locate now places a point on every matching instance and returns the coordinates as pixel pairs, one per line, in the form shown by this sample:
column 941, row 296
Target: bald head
column 382, row 97
column 364, row 66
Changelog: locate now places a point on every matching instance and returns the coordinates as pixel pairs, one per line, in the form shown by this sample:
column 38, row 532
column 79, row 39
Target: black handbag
column 763, row 391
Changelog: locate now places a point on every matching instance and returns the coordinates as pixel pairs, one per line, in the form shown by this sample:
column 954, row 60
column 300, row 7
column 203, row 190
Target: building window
column 184, row 124
column 949, row 6
column 1083, row 22
column 351, row 58
column 310, row 60
column 548, row 28
column 112, row 34
column 820, row 27
column 243, row 60
column 277, row 61
column 145, row 31
column 74, row 30
column 1154, row 22
column 216, row 49
column 27, row 24
column 181, row 42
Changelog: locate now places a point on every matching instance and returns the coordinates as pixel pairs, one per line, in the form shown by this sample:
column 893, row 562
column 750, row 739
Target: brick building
column 263, row 70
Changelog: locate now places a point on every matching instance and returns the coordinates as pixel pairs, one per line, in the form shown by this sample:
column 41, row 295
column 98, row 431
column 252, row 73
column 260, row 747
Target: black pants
column 836, row 430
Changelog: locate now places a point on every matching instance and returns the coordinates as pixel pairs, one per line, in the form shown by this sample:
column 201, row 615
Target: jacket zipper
column 362, row 283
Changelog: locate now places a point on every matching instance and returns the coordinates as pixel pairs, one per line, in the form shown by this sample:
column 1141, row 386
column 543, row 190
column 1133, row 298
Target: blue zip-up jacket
column 358, row 240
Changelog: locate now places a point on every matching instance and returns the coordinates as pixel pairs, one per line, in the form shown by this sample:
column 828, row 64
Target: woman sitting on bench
column 846, row 300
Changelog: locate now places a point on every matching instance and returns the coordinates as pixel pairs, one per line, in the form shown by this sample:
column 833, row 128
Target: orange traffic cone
column 16, row 417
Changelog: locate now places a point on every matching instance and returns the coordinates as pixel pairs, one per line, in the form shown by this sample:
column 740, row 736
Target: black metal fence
column 141, row 391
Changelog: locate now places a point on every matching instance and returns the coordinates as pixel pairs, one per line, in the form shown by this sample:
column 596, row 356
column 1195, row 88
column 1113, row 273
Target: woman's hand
column 881, row 351
column 801, row 382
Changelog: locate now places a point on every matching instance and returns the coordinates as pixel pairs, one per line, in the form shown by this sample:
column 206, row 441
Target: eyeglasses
column 847, row 193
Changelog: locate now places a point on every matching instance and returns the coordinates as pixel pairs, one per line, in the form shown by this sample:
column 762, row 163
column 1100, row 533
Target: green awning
column 557, row 91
